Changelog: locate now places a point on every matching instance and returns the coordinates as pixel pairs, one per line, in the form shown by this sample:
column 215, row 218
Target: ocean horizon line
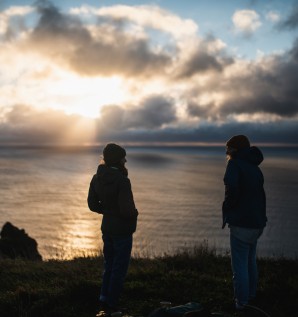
column 141, row 144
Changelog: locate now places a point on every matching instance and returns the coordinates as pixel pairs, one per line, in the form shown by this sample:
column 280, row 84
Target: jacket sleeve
column 231, row 181
column 126, row 201
column 93, row 201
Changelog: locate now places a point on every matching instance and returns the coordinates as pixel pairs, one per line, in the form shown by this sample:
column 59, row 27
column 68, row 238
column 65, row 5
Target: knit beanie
column 113, row 153
column 238, row 142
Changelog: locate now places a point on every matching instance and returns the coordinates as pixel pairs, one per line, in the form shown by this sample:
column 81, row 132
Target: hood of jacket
column 107, row 175
column 252, row 154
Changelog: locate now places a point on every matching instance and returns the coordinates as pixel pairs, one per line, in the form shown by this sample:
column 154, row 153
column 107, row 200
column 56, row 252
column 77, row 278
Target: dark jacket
column 245, row 200
column 110, row 194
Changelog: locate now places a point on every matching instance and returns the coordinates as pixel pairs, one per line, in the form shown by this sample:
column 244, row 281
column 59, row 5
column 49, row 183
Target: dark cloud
column 53, row 24
column 200, row 111
column 116, row 124
column 26, row 125
column 202, row 60
column 66, row 40
column 112, row 117
column 294, row 52
column 152, row 113
column 282, row 132
column 271, row 90
column 291, row 22
column 198, row 63
column 261, row 104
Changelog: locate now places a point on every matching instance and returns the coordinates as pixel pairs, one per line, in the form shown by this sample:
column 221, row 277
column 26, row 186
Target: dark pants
column 116, row 251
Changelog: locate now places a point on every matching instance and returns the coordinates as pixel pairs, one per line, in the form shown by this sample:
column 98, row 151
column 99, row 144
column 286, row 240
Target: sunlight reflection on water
column 178, row 192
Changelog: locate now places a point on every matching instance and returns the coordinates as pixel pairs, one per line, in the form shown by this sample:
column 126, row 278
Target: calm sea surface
column 178, row 192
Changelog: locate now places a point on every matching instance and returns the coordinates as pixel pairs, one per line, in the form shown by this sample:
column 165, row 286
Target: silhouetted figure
column 244, row 209
column 15, row 243
column 110, row 194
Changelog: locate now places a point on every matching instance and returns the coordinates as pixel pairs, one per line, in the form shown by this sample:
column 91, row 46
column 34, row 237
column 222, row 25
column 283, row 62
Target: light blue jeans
column 116, row 251
column 243, row 244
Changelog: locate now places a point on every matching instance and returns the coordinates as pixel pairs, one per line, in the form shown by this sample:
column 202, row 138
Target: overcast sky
column 82, row 72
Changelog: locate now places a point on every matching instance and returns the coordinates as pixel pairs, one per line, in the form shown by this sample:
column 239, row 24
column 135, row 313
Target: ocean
column 177, row 190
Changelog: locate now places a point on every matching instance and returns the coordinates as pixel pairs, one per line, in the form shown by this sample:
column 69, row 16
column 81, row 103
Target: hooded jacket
column 110, row 194
column 245, row 201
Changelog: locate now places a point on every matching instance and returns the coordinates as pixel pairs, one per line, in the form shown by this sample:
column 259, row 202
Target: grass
column 71, row 288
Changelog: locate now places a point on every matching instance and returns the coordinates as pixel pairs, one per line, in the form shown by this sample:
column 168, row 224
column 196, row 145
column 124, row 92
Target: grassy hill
column 71, row 288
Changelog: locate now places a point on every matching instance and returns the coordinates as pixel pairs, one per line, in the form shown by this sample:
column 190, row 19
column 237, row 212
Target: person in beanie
column 110, row 194
column 244, row 210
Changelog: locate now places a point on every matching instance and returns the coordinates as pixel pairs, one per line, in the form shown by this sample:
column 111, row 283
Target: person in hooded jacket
column 244, row 210
column 110, row 194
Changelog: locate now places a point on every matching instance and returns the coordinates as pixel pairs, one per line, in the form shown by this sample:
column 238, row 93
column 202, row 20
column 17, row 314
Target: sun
column 86, row 96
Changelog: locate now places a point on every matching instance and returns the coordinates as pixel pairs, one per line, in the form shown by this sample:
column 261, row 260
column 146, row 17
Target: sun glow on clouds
column 44, row 85
column 256, row 117
column 86, row 95
column 90, row 74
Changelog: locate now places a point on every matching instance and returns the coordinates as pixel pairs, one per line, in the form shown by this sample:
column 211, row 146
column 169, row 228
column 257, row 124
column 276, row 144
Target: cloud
column 105, row 51
column 205, row 56
column 273, row 16
column 146, row 16
column 263, row 92
column 266, row 87
column 211, row 133
column 199, row 62
column 246, row 21
column 152, row 113
column 6, row 25
column 291, row 22
column 198, row 110
column 271, row 86
column 23, row 124
column 178, row 87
